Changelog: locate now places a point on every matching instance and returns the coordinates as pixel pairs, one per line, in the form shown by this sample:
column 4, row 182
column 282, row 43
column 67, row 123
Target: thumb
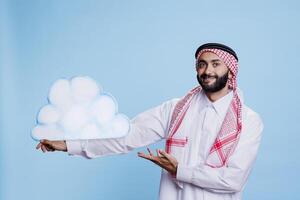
column 47, row 142
column 52, row 145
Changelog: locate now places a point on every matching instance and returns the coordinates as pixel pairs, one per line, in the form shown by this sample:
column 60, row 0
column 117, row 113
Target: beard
column 218, row 85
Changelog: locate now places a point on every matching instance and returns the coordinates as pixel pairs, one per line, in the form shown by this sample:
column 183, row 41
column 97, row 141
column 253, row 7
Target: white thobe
column 194, row 179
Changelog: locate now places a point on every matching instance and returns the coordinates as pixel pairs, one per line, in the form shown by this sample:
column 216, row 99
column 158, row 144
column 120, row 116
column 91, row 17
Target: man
column 212, row 137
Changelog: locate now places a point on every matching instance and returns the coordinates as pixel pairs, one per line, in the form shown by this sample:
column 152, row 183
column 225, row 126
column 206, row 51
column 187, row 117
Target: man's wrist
column 184, row 173
column 175, row 173
column 65, row 146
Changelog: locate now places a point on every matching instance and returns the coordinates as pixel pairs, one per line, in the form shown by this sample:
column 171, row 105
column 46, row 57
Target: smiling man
column 212, row 137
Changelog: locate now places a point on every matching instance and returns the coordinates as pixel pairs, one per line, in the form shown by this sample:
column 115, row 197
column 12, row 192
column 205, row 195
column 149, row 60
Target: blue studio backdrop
column 143, row 53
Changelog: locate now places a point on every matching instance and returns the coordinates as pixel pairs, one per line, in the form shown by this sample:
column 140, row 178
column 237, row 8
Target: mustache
column 204, row 76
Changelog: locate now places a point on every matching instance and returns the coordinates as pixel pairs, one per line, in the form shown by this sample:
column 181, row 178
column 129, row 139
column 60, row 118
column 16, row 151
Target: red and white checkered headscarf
column 229, row 133
column 229, row 60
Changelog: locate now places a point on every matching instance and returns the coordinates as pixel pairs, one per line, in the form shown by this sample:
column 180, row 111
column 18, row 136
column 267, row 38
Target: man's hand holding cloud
column 47, row 145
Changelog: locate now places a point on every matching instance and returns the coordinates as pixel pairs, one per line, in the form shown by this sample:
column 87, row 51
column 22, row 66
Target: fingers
column 45, row 146
column 150, row 153
column 49, row 145
column 46, row 142
column 158, row 153
column 150, row 156
column 163, row 159
column 49, row 148
column 38, row 146
column 164, row 154
column 142, row 155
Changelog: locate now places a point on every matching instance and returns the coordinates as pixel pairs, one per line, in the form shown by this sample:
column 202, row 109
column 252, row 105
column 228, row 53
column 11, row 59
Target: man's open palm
column 162, row 159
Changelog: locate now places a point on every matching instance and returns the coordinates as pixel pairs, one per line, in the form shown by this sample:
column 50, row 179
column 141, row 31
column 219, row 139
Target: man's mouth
column 208, row 79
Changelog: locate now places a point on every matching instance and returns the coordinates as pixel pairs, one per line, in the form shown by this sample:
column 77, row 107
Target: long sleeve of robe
column 194, row 179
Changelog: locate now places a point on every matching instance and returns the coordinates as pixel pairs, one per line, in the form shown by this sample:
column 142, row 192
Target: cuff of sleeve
column 74, row 147
column 184, row 173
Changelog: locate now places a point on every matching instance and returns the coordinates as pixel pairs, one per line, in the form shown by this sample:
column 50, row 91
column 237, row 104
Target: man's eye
column 201, row 65
column 216, row 64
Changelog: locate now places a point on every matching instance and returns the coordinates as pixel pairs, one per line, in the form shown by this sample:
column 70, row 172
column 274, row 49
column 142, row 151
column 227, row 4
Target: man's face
column 212, row 73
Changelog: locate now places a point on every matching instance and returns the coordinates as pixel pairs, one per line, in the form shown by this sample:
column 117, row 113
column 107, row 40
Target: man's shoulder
column 251, row 118
column 169, row 104
column 250, row 113
column 172, row 101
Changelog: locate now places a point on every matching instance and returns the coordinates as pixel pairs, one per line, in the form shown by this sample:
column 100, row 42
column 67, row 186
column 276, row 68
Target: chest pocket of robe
column 179, row 142
column 177, row 146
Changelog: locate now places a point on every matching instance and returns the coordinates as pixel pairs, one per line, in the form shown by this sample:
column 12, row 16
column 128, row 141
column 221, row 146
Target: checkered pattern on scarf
column 229, row 61
column 229, row 133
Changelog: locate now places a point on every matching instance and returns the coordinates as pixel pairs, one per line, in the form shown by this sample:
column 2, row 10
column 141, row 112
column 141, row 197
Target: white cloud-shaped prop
column 79, row 109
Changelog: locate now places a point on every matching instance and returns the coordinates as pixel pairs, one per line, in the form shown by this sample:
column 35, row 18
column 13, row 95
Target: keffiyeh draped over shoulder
column 229, row 133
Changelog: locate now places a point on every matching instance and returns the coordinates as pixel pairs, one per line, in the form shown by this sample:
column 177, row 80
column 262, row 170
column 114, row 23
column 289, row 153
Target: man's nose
column 209, row 69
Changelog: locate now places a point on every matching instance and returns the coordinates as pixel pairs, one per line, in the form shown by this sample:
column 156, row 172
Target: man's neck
column 214, row 96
